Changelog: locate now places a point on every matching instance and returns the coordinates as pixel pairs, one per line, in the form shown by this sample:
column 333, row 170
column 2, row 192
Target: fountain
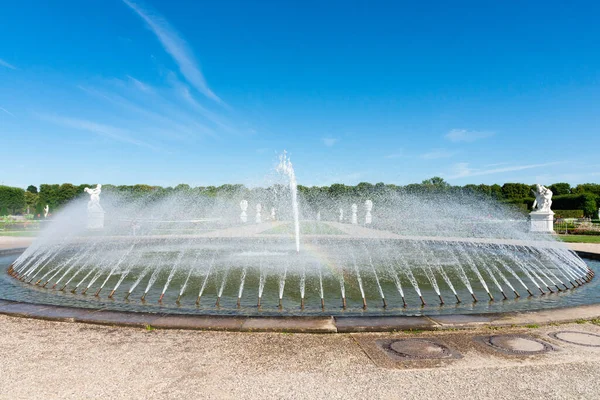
column 197, row 254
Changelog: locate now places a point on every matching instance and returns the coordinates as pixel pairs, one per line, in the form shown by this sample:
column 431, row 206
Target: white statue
column 273, row 213
column 543, row 198
column 46, row 211
column 94, row 203
column 318, row 215
column 341, row 215
column 354, row 211
column 258, row 216
column 244, row 207
column 368, row 207
column 95, row 211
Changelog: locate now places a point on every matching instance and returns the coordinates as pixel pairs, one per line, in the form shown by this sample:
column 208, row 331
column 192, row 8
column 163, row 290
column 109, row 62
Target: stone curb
column 14, row 250
column 326, row 324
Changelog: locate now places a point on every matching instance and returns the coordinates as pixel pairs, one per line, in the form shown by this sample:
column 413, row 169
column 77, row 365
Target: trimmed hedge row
column 568, row 213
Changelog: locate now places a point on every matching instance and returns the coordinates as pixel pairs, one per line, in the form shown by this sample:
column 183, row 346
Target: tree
column 516, row 191
column 32, row 189
column 31, row 200
column 436, row 181
column 560, row 188
column 65, row 193
column 587, row 188
column 48, row 195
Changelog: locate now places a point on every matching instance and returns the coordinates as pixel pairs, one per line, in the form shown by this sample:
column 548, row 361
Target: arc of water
column 44, row 260
column 242, row 280
column 282, row 284
column 88, row 262
column 321, row 292
column 525, row 270
column 427, row 270
column 302, row 286
column 512, row 272
column 390, row 271
column 124, row 275
column 546, row 272
column 171, row 274
column 377, row 281
column 115, row 267
column 223, row 282
column 203, row 286
column 262, row 277
column 494, row 268
column 151, row 281
column 404, row 267
column 72, row 265
column 563, row 267
column 489, row 271
column 185, row 283
column 475, row 270
column 137, row 281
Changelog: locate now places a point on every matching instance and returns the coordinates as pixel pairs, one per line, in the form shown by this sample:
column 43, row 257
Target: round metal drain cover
column 518, row 344
column 419, row 349
column 578, row 338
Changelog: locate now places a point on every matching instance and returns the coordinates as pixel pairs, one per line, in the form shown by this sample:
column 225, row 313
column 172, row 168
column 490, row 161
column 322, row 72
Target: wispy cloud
column 178, row 127
column 7, row 65
column 329, row 141
column 140, row 85
column 8, row 112
column 463, row 135
column 176, row 47
column 118, row 134
column 435, row 154
column 462, row 170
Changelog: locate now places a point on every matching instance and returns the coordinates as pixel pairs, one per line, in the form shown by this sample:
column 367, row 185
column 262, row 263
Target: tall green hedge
column 584, row 201
column 12, row 200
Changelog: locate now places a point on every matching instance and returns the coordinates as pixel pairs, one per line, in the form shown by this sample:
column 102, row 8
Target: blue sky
column 205, row 93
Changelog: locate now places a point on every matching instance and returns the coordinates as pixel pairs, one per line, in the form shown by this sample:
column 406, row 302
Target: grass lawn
column 580, row 238
column 19, row 233
column 306, row 228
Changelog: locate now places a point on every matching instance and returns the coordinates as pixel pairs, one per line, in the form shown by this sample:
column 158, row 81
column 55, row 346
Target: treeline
column 585, row 197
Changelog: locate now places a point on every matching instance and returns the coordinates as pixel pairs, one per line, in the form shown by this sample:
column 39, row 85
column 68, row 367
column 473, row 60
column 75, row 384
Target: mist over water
column 193, row 249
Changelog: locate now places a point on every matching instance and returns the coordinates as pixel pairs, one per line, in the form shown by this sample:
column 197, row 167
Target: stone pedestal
column 542, row 221
column 95, row 219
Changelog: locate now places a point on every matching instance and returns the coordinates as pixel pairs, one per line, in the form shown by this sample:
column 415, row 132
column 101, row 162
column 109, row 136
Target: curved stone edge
column 326, row 324
column 301, row 324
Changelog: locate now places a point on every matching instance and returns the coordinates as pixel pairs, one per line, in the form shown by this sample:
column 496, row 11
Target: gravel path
column 53, row 360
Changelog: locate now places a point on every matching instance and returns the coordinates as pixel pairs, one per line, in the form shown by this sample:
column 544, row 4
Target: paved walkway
column 11, row 242
column 55, row 360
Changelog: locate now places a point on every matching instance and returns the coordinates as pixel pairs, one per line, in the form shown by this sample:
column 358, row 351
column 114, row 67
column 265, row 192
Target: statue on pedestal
column 244, row 207
column 354, row 216
column 368, row 207
column 46, row 211
column 95, row 210
column 258, row 215
column 542, row 217
column 94, row 203
column 341, row 215
column 543, row 198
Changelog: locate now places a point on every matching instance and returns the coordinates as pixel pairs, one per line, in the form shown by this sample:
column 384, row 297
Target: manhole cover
column 416, row 349
column 516, row 344
column 579, row 338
